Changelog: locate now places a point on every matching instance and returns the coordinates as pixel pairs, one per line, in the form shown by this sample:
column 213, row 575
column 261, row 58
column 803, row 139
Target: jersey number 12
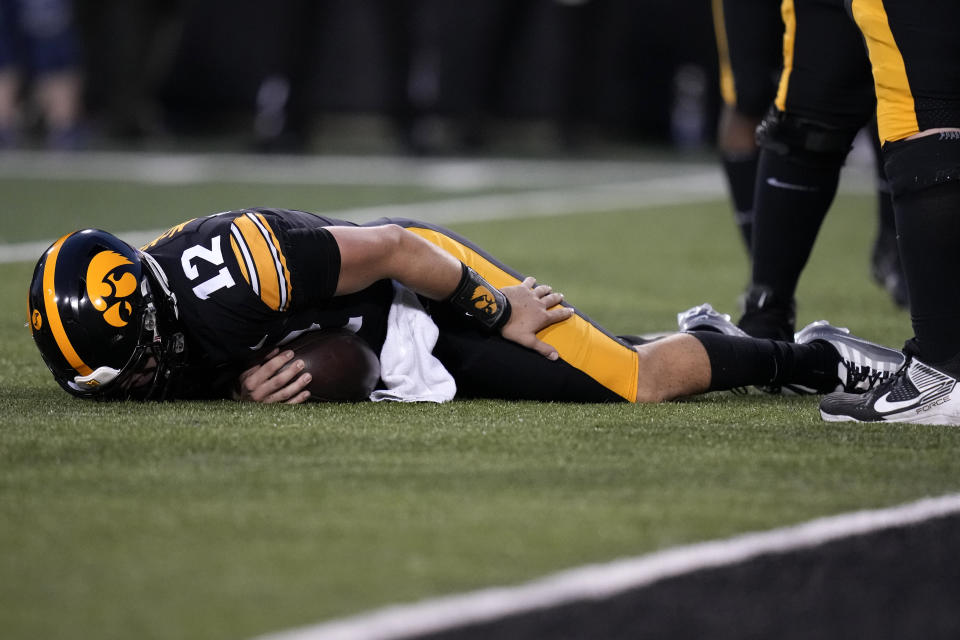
column 214, row 256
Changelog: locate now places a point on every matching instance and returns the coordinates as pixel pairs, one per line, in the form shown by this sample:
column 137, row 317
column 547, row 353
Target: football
column 343, row 366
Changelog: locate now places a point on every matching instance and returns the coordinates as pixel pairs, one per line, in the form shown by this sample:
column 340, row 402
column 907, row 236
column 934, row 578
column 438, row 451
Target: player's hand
column 530, row 311
column 270, row 382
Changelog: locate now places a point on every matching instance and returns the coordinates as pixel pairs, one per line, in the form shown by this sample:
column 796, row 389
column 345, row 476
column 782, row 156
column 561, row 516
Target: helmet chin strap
column 99, row 377
column 102, row 376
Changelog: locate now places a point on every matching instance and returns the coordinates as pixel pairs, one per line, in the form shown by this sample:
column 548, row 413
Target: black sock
column 925, row 176
column 741, row 172
column 793, row 195
column 929, row 223
column 740, row 362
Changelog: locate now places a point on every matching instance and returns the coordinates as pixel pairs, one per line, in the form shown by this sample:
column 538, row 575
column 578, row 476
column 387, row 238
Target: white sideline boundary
column 595, row 582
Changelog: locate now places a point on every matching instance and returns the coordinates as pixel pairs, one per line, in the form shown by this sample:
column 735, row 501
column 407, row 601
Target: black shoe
column 765, row 315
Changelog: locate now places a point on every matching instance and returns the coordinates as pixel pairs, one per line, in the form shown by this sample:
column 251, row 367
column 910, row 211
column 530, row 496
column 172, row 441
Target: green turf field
column 220, row 520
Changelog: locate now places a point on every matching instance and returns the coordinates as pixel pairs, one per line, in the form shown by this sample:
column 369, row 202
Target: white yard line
column 595, row 582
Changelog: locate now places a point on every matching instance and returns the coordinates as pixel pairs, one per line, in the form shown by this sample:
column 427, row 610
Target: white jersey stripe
column 247, row 258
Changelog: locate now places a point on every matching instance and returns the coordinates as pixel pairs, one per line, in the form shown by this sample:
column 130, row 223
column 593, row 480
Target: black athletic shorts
column 826, row 73
column 915, row 51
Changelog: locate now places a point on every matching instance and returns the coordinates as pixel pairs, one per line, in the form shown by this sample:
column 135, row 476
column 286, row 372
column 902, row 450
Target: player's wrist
column 480, row 300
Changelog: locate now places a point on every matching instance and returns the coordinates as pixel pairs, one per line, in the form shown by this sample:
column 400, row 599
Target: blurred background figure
column 284, row 100
column 415, row 76
column 290, row 96
column 430, row 76
column 40, row 74
column 129, row 47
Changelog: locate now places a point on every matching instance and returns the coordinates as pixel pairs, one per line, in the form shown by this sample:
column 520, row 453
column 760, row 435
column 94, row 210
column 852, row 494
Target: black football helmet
column 104, row 318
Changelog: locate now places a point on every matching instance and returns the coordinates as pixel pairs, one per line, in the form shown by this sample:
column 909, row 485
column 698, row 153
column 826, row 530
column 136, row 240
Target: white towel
column 407, row 366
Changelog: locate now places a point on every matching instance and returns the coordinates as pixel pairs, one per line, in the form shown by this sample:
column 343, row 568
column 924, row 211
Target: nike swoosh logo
column 259, row 344
column 883, row 405
column 773, row 182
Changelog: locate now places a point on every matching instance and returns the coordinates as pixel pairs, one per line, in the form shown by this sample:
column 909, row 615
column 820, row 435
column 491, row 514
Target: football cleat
column 918, row 393
column 766, row 315
column 706, row 318
column 863, row 364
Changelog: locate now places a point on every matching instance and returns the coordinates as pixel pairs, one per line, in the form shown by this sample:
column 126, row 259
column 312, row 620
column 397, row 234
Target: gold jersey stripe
column 166, row 234
column 53, row 313
column 728, row 90
column 240, row 260
column 789, row 15
column 263, row 261
column 896, row 112
column 578, row 342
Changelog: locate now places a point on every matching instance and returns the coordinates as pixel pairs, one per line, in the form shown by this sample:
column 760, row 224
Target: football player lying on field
column 204, row 311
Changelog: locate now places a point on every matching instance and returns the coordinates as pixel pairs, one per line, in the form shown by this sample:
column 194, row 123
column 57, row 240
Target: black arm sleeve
column 313, row 258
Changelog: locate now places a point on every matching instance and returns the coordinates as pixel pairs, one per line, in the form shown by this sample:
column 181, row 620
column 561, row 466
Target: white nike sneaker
column 863, row 364
column 705, row 318
column 918, row 393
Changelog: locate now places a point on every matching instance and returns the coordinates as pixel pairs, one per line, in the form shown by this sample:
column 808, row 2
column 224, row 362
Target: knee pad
column 785, row 133
column 922, row 163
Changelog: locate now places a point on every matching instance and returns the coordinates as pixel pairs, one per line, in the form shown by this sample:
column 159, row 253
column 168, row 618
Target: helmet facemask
column 148, row 373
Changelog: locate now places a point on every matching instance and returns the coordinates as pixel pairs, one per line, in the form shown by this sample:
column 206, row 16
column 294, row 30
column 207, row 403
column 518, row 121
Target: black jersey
column 244, row 280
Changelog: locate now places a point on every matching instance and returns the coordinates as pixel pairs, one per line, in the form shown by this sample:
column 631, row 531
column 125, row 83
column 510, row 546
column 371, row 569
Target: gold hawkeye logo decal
column 37, row 320
column 484, row 301
column 108, row 284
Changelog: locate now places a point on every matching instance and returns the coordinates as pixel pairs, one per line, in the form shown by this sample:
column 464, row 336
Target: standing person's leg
column 825, row 97
column 916, row 62
column 749, row 36
column 885, row 265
